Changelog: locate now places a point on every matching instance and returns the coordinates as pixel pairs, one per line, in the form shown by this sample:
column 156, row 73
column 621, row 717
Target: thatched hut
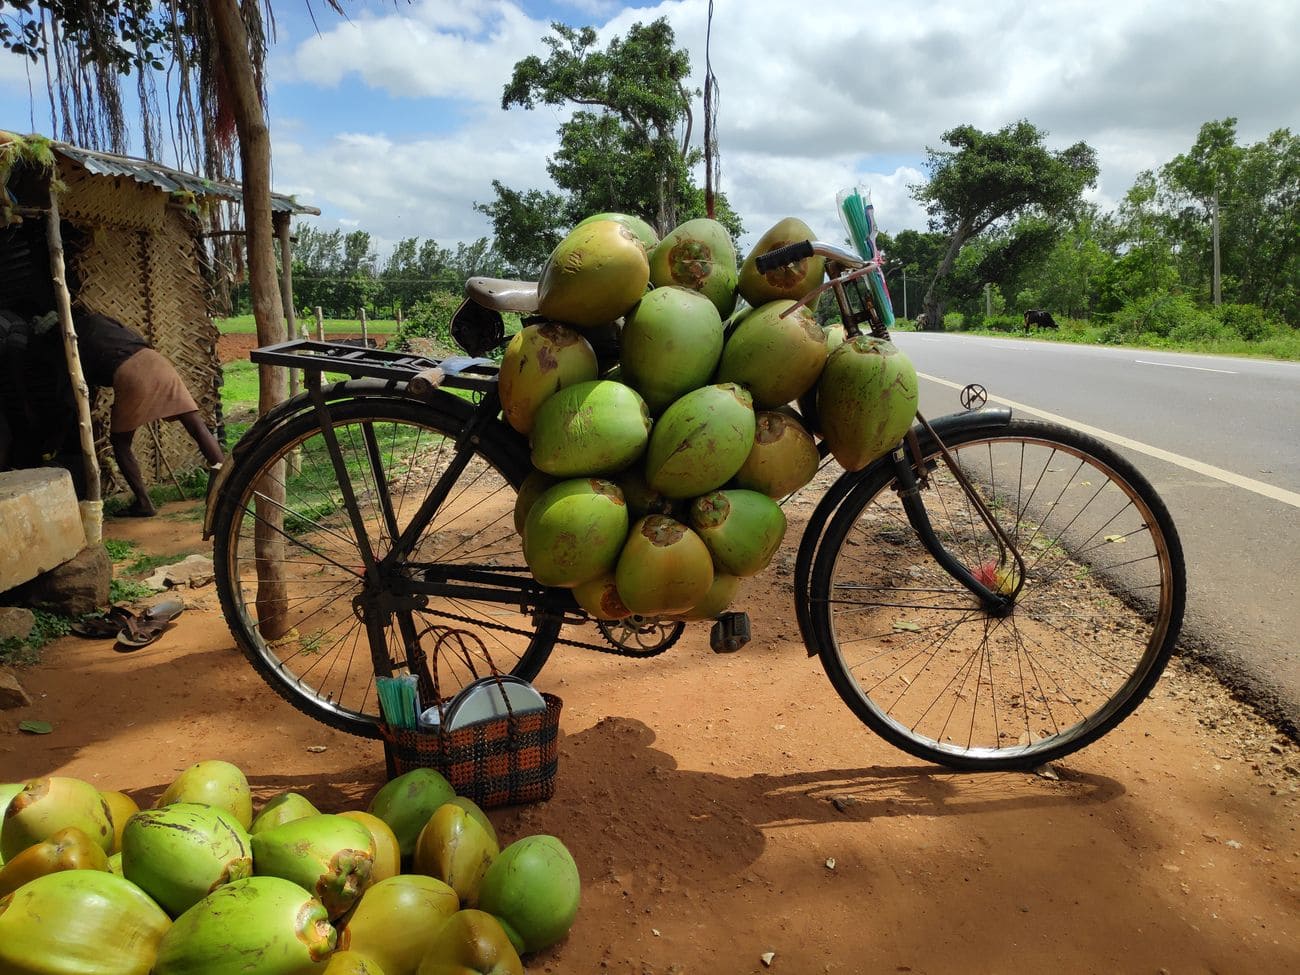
column 142, row 244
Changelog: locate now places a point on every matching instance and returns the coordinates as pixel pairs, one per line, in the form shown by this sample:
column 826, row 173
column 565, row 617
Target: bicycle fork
column 907, row 462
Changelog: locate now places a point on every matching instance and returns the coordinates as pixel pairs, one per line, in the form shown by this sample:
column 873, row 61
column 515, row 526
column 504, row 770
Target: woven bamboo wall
column 139, row 264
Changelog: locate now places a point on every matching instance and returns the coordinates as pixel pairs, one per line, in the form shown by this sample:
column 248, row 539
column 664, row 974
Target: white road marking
column 1187, row 463
column 1175, row 365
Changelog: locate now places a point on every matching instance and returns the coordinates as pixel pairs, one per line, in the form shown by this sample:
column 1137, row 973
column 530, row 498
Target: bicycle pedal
column 729, row 633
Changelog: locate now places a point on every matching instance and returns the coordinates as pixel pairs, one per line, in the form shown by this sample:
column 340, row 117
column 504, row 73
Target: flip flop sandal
column 102, row 627
column 142, row 630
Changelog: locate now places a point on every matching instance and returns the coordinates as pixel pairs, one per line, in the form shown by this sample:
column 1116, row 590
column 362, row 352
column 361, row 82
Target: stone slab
column 40, row 523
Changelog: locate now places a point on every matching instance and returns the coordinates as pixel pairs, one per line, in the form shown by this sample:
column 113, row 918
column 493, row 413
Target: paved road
column 1220, row 440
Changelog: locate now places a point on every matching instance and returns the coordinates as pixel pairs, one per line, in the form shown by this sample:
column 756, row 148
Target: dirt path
column 705, row 799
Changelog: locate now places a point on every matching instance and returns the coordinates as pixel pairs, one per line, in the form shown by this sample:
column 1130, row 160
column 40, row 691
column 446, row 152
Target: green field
column 244, row 325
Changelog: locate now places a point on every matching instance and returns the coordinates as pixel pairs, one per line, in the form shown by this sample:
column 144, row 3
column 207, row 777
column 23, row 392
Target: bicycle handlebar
column 806, row 248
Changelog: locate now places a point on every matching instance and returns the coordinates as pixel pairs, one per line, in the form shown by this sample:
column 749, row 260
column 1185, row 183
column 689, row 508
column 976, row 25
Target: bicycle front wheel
column 301, row 620
column 915, row 655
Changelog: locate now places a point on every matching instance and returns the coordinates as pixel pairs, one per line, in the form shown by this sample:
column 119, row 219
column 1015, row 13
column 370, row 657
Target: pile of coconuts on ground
column 666, row 424
column 198, row 885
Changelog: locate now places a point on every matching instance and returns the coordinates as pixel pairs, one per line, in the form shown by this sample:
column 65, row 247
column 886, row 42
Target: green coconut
column 644, row 232
column 534, row 890
column 664, row 568
column 742, row 529
column 471, row 942
column 42, row 807
column 866, row 400
column 388, row 855
column 406, row 803
column 538, row 361
column 329, row 856
column 698, row 255
column 457, row 848
column 595, row 275
column 213, row 783
column 671, row 344
column 640, row 497
column 700, row 441
column 396, row 920
column 352, row 963
column 266, row 925
column 535, row 485
column 7, row 791
column 600, row 598
column 281, row 809
column 80, row 922
column 784, row 457
column 68, row 849
column 777, row 359
column 180, row 853
column 121, row 808
column 835, row 336
column 590, row 429
column 575, row 531
column 788, row 281
column 715, row 602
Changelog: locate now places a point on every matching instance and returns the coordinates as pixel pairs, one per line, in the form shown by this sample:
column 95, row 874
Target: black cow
column 1039, row 318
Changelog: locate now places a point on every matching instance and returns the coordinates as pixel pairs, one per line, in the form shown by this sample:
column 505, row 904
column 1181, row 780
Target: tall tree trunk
column 268, row 311
column 930, row 304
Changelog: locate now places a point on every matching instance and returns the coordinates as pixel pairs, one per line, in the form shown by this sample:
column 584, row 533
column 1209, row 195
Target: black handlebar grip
column 783, row 255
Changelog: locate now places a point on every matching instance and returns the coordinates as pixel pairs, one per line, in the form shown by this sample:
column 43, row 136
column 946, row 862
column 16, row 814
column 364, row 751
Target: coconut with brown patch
column 784, row 457
column 539, row 361
column 742, row 529
column 664, row 567
column 575, row 531
column 700, row 441
column 866, row 400
column 777, row 352
column 787, row 281
column 595, row 275
column 698, row 255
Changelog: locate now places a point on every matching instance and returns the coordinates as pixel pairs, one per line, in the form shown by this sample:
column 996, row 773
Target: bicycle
column 994, row 593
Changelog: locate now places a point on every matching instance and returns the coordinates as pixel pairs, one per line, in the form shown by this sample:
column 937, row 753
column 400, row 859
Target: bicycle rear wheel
column 310, row 641
column 915, row 656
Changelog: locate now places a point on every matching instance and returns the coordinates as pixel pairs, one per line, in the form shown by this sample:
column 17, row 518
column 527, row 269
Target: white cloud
column 813, row 97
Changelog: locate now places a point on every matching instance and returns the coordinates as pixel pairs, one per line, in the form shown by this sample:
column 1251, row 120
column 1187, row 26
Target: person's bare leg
column 130, row 468
column 201, row 435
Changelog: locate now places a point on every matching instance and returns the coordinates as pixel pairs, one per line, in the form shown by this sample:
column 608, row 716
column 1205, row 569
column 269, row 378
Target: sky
column 390, row 121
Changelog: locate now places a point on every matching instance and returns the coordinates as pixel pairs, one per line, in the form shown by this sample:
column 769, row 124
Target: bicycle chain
column 609, row 647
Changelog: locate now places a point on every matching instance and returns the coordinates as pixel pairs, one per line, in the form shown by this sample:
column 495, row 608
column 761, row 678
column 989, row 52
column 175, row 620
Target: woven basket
column 500, row 762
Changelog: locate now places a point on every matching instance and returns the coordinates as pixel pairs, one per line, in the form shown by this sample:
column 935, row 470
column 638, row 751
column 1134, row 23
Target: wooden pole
column 320, row 325
column 365, row 330
column 255, row 165
column 92, row 514
column 281, row 221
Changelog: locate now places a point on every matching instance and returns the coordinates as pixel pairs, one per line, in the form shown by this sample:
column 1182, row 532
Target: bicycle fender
column 282, row 413
column 993, row 418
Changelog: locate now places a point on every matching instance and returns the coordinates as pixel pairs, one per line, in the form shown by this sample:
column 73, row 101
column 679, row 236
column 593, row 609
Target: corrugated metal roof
column 166, row 178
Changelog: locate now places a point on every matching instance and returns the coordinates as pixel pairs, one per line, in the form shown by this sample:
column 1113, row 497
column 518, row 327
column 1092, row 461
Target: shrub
column 1201, row 330
column 1003, row 323
column 429, row 318
column 954, row 321
column 1157, row 315
column 1250, row 322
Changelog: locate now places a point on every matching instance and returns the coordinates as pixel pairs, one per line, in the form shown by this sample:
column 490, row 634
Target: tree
column 627, row 148
column 991, row 178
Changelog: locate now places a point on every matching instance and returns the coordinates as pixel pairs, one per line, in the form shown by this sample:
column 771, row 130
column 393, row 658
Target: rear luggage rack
column 310, row 355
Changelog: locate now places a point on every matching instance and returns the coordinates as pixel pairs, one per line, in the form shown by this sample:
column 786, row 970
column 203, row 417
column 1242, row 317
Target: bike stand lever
column 729, row 633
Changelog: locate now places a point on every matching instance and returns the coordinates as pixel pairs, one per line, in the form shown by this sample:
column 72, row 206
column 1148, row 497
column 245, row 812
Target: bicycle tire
column 1087, row 638
column 323, row 665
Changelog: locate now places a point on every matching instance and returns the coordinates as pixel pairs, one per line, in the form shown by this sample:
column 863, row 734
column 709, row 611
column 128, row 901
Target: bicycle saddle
column 501, row 294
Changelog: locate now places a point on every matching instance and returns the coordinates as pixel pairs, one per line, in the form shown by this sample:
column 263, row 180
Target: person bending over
column 146, row 387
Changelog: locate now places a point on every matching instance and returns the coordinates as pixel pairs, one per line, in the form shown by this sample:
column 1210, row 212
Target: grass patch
column 25, row 652
column 119, row 549
column 127, row 590
column 245, row 325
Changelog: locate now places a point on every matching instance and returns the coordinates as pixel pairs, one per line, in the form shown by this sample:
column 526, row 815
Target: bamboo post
column 320, row 325
column 365, row 331
column 281, row 221
column 92, row 509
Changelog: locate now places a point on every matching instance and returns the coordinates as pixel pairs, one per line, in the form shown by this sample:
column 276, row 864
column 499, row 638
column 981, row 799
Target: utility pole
column 1214, row 234
column 988, row 301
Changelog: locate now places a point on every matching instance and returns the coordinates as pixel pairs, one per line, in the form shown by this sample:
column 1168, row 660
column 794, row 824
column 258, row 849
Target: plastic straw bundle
column 859, row 219
column 399, row 699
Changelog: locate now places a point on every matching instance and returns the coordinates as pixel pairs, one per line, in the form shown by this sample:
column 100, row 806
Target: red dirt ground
column 705, row 798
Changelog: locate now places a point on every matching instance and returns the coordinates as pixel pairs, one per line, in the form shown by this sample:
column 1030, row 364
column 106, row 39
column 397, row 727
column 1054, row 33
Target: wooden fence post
column 365, row 331
column 320, row 325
